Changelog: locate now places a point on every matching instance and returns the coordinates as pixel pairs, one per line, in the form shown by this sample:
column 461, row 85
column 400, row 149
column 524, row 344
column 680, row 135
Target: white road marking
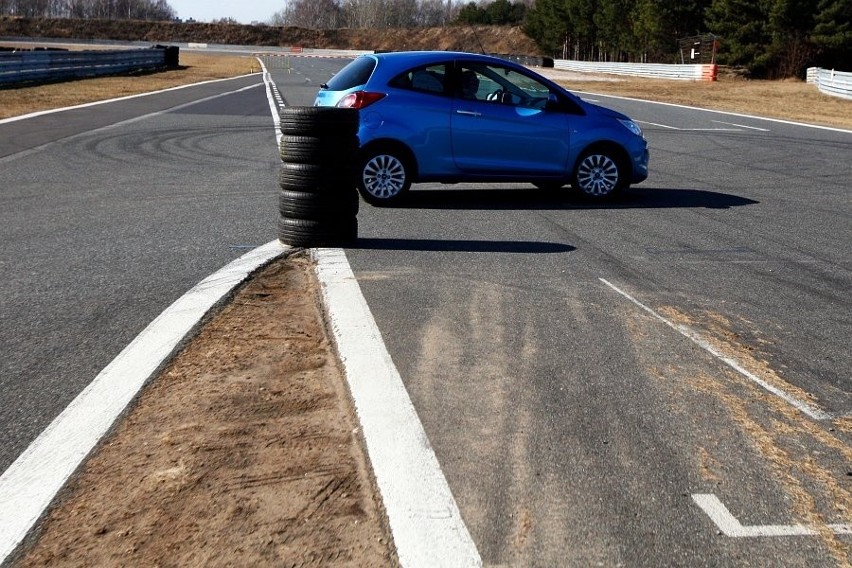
column 689, row 129
column 115, row 125
column 776, row 120
column 425, row 521
column 743, row 126
column 273, row 96
column 84, row 105
column 34, row 479
column 658, row 125
column 804, row 407
column 731, row 527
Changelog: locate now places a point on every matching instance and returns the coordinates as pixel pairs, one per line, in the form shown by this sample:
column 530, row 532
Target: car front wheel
column 598, row 174
column 383, row 177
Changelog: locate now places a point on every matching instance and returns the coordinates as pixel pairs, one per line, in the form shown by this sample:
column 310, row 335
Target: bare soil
column 244, row 452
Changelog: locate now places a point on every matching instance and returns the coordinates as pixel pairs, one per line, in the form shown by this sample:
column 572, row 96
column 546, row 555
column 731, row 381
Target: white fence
column 25, row 66
column 680, row 72
column 831, row 82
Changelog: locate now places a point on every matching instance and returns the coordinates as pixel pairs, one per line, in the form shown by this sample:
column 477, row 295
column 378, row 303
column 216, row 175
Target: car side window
column 501, row 85
column 429, row 79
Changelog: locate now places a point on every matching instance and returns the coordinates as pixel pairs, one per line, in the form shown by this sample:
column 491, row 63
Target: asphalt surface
column 107, row 215
column 574, row 427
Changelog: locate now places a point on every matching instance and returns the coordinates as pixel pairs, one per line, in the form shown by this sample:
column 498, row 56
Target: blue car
column 460, row 117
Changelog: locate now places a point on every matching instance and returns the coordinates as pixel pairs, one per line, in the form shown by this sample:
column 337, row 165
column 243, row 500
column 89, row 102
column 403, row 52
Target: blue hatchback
column 461, row 117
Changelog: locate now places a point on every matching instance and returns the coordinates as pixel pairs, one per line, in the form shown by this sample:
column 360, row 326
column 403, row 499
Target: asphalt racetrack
column 661, row 380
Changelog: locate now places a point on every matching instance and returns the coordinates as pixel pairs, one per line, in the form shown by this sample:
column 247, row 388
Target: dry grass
column 194, row 68
column 791, row 100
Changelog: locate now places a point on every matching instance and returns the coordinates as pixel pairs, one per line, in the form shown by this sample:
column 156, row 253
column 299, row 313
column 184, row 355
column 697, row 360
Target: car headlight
column 632, row 127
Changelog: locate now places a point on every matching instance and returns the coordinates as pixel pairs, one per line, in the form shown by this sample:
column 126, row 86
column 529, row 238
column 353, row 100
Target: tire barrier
column 319, row 202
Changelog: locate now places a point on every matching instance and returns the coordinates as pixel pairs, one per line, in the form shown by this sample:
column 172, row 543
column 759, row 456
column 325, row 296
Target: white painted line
column 777, row 120
column 731, row 527
column 690, row 129
column 274, row 100
column 425, row 521
column 33, row 480
column 658, row 125
column 743, row 126
column 808, row 409
column 115, row 125
column 51, row 111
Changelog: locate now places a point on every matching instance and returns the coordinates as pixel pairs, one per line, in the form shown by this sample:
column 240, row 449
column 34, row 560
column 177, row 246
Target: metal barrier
column 32, row 66
column 679, row 72
column 831, row 82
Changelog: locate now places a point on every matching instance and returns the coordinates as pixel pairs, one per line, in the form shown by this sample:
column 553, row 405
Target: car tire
column 325, row 150
column 598, row 174
column 319, row 206
column 317, row 178
column 317, row 233
column 383, row 176
column 318, row 121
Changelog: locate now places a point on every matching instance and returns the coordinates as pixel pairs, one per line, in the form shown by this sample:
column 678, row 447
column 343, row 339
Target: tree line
column 771, row 38
column 334, row 14
column 155, row 10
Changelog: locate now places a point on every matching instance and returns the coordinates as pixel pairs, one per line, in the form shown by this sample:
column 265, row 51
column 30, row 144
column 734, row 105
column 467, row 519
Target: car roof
column 391, row 62
column 425, row 56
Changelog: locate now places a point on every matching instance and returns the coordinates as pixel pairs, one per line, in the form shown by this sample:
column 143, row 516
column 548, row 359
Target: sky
column 243, row 11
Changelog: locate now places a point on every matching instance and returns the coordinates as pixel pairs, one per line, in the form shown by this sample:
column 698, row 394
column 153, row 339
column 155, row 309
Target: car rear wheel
column 384, row 176
column 598, row 174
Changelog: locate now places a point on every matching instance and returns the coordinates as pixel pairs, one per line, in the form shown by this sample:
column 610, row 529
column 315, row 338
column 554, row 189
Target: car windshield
column 353, row 75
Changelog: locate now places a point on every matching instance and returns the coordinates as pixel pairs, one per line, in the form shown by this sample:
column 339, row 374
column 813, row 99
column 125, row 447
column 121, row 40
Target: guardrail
column 33, row 66
column 679, row 72
column 831, row 82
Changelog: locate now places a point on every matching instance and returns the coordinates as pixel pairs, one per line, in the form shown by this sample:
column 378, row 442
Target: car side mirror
column 553, row 103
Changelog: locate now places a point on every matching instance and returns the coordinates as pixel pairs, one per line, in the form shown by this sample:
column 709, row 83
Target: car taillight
column 359, row 99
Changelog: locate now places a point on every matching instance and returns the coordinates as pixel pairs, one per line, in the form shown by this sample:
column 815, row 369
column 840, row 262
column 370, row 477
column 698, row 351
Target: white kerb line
column 31, row 483
column 809, row 410
column 425, row 521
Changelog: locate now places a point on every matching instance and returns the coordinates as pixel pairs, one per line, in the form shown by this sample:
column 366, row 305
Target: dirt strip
column 245, row 451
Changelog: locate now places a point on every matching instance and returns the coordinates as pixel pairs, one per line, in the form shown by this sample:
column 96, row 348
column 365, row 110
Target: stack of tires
column 319, row 199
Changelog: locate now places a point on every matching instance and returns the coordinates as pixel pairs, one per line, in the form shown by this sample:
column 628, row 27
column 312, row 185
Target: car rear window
column 353, row 75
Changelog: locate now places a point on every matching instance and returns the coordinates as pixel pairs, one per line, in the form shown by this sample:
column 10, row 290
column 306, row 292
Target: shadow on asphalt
column 532, row 199
column 521, row 247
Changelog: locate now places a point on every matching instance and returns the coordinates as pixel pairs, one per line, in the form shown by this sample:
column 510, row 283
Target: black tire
column 315, row 177
column 318, row 150
column 318, row 206
column 313, row 233
column 599, row 174
column 319, row 121
column 384, row 176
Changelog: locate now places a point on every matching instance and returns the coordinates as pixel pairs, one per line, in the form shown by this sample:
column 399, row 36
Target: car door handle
column 469, row 112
